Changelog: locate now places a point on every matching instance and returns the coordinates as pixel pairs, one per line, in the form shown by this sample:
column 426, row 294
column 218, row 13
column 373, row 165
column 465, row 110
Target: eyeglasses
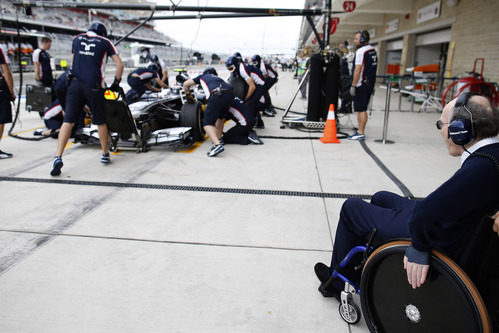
column 440, row 124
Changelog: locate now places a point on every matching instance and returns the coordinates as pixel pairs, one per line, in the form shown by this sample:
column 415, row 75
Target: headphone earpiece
column 461, row 130
column 364, row 37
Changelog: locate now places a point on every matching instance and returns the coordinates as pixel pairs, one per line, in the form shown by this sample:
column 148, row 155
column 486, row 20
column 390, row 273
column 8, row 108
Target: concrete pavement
column 83, row 255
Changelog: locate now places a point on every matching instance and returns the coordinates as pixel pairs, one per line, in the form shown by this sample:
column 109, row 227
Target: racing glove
column 116, row 85
column 190, row 98
column 352, row 91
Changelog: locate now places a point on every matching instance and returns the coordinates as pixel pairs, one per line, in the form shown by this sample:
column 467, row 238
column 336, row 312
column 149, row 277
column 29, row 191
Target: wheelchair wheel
column 447, row 302
column 350, row 312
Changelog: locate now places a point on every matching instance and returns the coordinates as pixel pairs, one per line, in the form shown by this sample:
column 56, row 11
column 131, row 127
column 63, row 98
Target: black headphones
column 364, row 36
column 461, row 130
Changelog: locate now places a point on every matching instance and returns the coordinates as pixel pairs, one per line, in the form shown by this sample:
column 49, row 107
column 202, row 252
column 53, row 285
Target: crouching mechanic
column 53, row 116
column 140, row 81
column 469, row 127
column 88, row 56
column 221, row 103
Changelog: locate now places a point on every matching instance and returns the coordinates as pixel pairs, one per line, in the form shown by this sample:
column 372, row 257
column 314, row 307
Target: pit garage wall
column 474, row 34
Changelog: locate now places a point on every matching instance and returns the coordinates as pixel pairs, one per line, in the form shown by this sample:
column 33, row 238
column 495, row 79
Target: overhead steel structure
column 240, row 12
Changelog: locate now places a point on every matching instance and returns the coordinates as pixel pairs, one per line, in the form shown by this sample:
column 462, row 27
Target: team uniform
column 366, row 57
column 222, row 104
column 43, row 59
column 162, row 68
column 53, row 117
column 219, row 95
column 87, row 84
column 271, row 75
column 5, row 95
column 137, row 80
column 248, row 71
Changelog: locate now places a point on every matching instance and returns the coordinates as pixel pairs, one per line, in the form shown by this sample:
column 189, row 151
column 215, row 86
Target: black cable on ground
column 16, row 117
column 390, row 175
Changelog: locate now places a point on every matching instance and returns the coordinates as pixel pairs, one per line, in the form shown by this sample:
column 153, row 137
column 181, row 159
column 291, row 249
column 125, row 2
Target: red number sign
column 349, row 6
column 334, row 24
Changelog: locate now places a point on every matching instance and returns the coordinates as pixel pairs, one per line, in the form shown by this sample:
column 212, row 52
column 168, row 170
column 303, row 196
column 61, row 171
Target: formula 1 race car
column 164, row 118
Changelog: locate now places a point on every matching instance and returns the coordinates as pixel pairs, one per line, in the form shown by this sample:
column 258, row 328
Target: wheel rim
column 391, row 305
column 349, row 313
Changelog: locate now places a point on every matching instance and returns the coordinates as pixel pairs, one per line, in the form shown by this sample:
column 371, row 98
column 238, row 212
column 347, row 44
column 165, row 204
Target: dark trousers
column 388, row 212
column 242, row 116
column 270, row 82
column 254, row 102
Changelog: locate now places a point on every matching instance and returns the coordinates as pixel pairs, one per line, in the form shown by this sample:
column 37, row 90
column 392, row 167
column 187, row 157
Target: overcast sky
column 265, row 35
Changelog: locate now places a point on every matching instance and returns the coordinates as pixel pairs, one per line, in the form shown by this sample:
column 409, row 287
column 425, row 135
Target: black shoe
column 5, row 155
column 322, row 273
column 215, row 150
column 330, row 291
column 56, row 166
column 254, row 139
column 268, row 113
column 259, row 123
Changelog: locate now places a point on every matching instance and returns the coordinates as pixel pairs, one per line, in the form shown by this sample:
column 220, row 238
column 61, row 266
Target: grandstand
column 63, row 23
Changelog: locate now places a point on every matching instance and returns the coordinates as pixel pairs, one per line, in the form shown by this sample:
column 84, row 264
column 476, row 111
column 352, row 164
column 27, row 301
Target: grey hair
column 485, row 119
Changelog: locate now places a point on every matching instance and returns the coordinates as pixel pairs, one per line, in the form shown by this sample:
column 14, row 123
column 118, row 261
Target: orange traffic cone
column 329, row 135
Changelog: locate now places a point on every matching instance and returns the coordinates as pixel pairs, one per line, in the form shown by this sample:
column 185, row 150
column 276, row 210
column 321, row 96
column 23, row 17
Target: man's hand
column 495, row 227
column 416, row 273
column 116, row 85
column 352, row 91
column 190, row 98
column 417, row 264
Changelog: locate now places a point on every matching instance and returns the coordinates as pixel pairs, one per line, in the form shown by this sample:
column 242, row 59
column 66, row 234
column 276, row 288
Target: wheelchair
column 460, row 295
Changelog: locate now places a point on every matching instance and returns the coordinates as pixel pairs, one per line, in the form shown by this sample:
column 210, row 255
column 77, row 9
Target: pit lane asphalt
column 167, row 252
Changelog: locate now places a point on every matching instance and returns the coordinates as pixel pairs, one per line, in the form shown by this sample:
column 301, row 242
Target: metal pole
column 400, row 93
column 203, row 17
column 295, row 94
column 387, row 111
column 413, row 90
column 327, row 23
column 134, row 29
column 173, row 8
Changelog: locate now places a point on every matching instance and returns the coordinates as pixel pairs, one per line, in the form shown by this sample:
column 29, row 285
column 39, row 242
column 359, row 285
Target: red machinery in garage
column 473, row 83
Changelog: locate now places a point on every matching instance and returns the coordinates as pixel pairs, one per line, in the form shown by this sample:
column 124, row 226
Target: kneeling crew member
column 88, row 55
column 140, row 80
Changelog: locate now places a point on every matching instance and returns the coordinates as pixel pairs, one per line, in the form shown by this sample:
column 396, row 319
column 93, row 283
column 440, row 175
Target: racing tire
column 239, row 87
column 448, row 301
column 191, row 115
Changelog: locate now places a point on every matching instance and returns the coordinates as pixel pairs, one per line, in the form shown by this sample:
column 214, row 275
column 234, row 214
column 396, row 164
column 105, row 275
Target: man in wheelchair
column 469, row 126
